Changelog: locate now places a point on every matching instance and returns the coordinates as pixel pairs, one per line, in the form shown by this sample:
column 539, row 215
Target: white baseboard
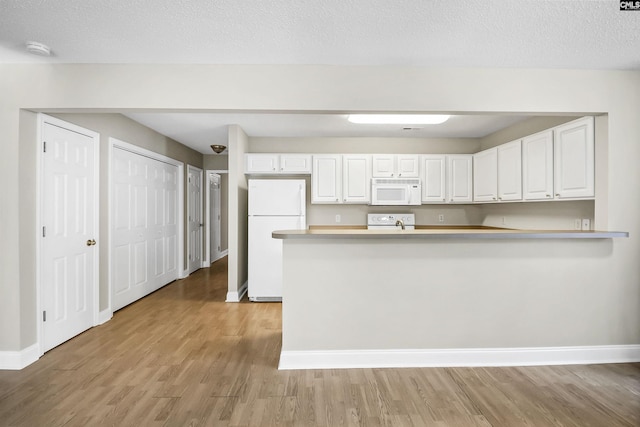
column 104, row 316
column 222, row 255
column 237, row 296
column 458, row 357
column 16, row 360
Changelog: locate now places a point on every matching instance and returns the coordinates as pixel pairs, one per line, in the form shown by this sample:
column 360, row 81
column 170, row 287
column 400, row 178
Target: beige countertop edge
column 444, row 233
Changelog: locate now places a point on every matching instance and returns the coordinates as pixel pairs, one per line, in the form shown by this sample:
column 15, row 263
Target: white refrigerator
column 274, row 204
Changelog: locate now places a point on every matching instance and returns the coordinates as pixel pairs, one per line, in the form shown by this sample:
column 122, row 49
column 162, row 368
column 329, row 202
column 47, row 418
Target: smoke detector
column 36, row 48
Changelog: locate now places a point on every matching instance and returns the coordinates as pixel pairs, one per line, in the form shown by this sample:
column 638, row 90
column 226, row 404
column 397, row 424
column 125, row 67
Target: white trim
column 222, row 255
column 237, row 296
column 468, row 357
column 188, row 270
column 95, row 136
column 116, row 143
column 16, row 360
column 104, row 316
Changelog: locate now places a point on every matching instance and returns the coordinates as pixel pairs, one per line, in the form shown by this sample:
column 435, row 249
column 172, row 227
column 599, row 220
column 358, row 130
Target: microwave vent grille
column 408, row 181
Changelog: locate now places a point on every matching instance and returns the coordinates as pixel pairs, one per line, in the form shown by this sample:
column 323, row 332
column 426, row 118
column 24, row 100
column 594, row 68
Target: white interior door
column 214, row 220
column 69, row 218
column 195, row 223
column 144, row 226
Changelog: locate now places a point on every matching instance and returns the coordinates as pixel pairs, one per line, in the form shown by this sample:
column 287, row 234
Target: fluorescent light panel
column 399, row 119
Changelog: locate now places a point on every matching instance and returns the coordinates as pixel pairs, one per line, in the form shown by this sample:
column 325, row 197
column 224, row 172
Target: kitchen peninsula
column 447, row 297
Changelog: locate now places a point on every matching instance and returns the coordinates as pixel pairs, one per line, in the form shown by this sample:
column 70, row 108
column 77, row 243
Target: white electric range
column 378, row 221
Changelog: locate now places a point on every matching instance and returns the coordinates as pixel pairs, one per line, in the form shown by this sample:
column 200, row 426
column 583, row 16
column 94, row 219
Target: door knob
column 91, row 242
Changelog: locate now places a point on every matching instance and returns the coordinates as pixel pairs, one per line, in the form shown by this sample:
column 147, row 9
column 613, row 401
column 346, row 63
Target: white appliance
column 396, row 191
column 391, row 221
column 274, row 204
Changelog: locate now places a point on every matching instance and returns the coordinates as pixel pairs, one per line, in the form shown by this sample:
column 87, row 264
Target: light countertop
column 441, row 232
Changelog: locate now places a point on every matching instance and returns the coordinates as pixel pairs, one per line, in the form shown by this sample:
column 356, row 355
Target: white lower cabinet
column 574, row 159
column 485, row 176
column 460, row 178
column 537, row 166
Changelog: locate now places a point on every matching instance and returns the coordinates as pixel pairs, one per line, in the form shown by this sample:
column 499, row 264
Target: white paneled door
column 144, row 225
column 195, row 222
column 68, row 274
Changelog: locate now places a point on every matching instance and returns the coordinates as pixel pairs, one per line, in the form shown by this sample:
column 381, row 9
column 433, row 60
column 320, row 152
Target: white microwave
column 396, row 191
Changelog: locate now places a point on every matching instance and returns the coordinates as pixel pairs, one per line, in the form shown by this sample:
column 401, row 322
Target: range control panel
column 390, row 220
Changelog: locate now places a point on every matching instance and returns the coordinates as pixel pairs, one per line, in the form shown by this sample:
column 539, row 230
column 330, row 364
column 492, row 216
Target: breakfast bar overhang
column 450, row 297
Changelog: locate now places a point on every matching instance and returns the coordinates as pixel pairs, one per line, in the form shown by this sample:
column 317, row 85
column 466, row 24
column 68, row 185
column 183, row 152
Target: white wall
column 317, row 88
column 238, row 213
column 129, row 131
column 365, row 145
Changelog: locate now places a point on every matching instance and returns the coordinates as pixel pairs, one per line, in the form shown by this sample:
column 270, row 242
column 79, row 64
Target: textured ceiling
column 457, row 33
column 583, row 34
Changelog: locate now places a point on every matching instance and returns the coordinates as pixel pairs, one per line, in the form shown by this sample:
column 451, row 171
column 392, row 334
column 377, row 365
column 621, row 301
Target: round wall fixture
column 38, row 49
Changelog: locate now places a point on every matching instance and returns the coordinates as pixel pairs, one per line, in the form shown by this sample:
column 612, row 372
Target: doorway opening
column 216, row 213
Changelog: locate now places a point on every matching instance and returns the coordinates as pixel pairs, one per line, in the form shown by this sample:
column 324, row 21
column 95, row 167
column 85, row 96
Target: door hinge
column 44, row 146
column 44, row 231
column 44, row 316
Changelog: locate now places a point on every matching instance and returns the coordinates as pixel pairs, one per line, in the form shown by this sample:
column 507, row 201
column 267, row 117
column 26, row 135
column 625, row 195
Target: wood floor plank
column 184, row 357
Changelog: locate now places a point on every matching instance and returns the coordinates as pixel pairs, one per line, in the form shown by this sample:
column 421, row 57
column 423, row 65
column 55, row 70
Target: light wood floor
column 182, row 356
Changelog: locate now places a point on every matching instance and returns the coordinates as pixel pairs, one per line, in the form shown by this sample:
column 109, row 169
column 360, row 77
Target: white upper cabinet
column 326, row 179
column 396, row 166
column 510, row 171
column 261, row 163
column 485, row 175
column 459, row 178
column 537, row 166
column 268, row 163
column 574, row 164
column 408, row 165
column 434, row 178
column 356, row 178
column 295, row 163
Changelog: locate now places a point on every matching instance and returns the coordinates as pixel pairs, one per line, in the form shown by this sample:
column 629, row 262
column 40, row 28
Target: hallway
column 181, row 356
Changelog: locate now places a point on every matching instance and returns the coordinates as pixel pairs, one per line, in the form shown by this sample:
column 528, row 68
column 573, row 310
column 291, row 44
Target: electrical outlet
column 338, row 219
column 577, row 224
column 441, row 218
column 586, row 224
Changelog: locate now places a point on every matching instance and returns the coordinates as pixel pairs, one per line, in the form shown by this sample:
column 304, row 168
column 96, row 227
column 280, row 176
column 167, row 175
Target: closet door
column 143, row 226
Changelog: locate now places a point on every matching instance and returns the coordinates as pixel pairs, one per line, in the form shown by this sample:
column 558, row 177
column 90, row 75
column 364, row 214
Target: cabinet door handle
column 557, row 194
column 548, row 195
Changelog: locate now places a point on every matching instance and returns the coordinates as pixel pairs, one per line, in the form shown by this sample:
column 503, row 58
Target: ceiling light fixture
column 38, row 49
column 399, row 119
column 218, row 148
